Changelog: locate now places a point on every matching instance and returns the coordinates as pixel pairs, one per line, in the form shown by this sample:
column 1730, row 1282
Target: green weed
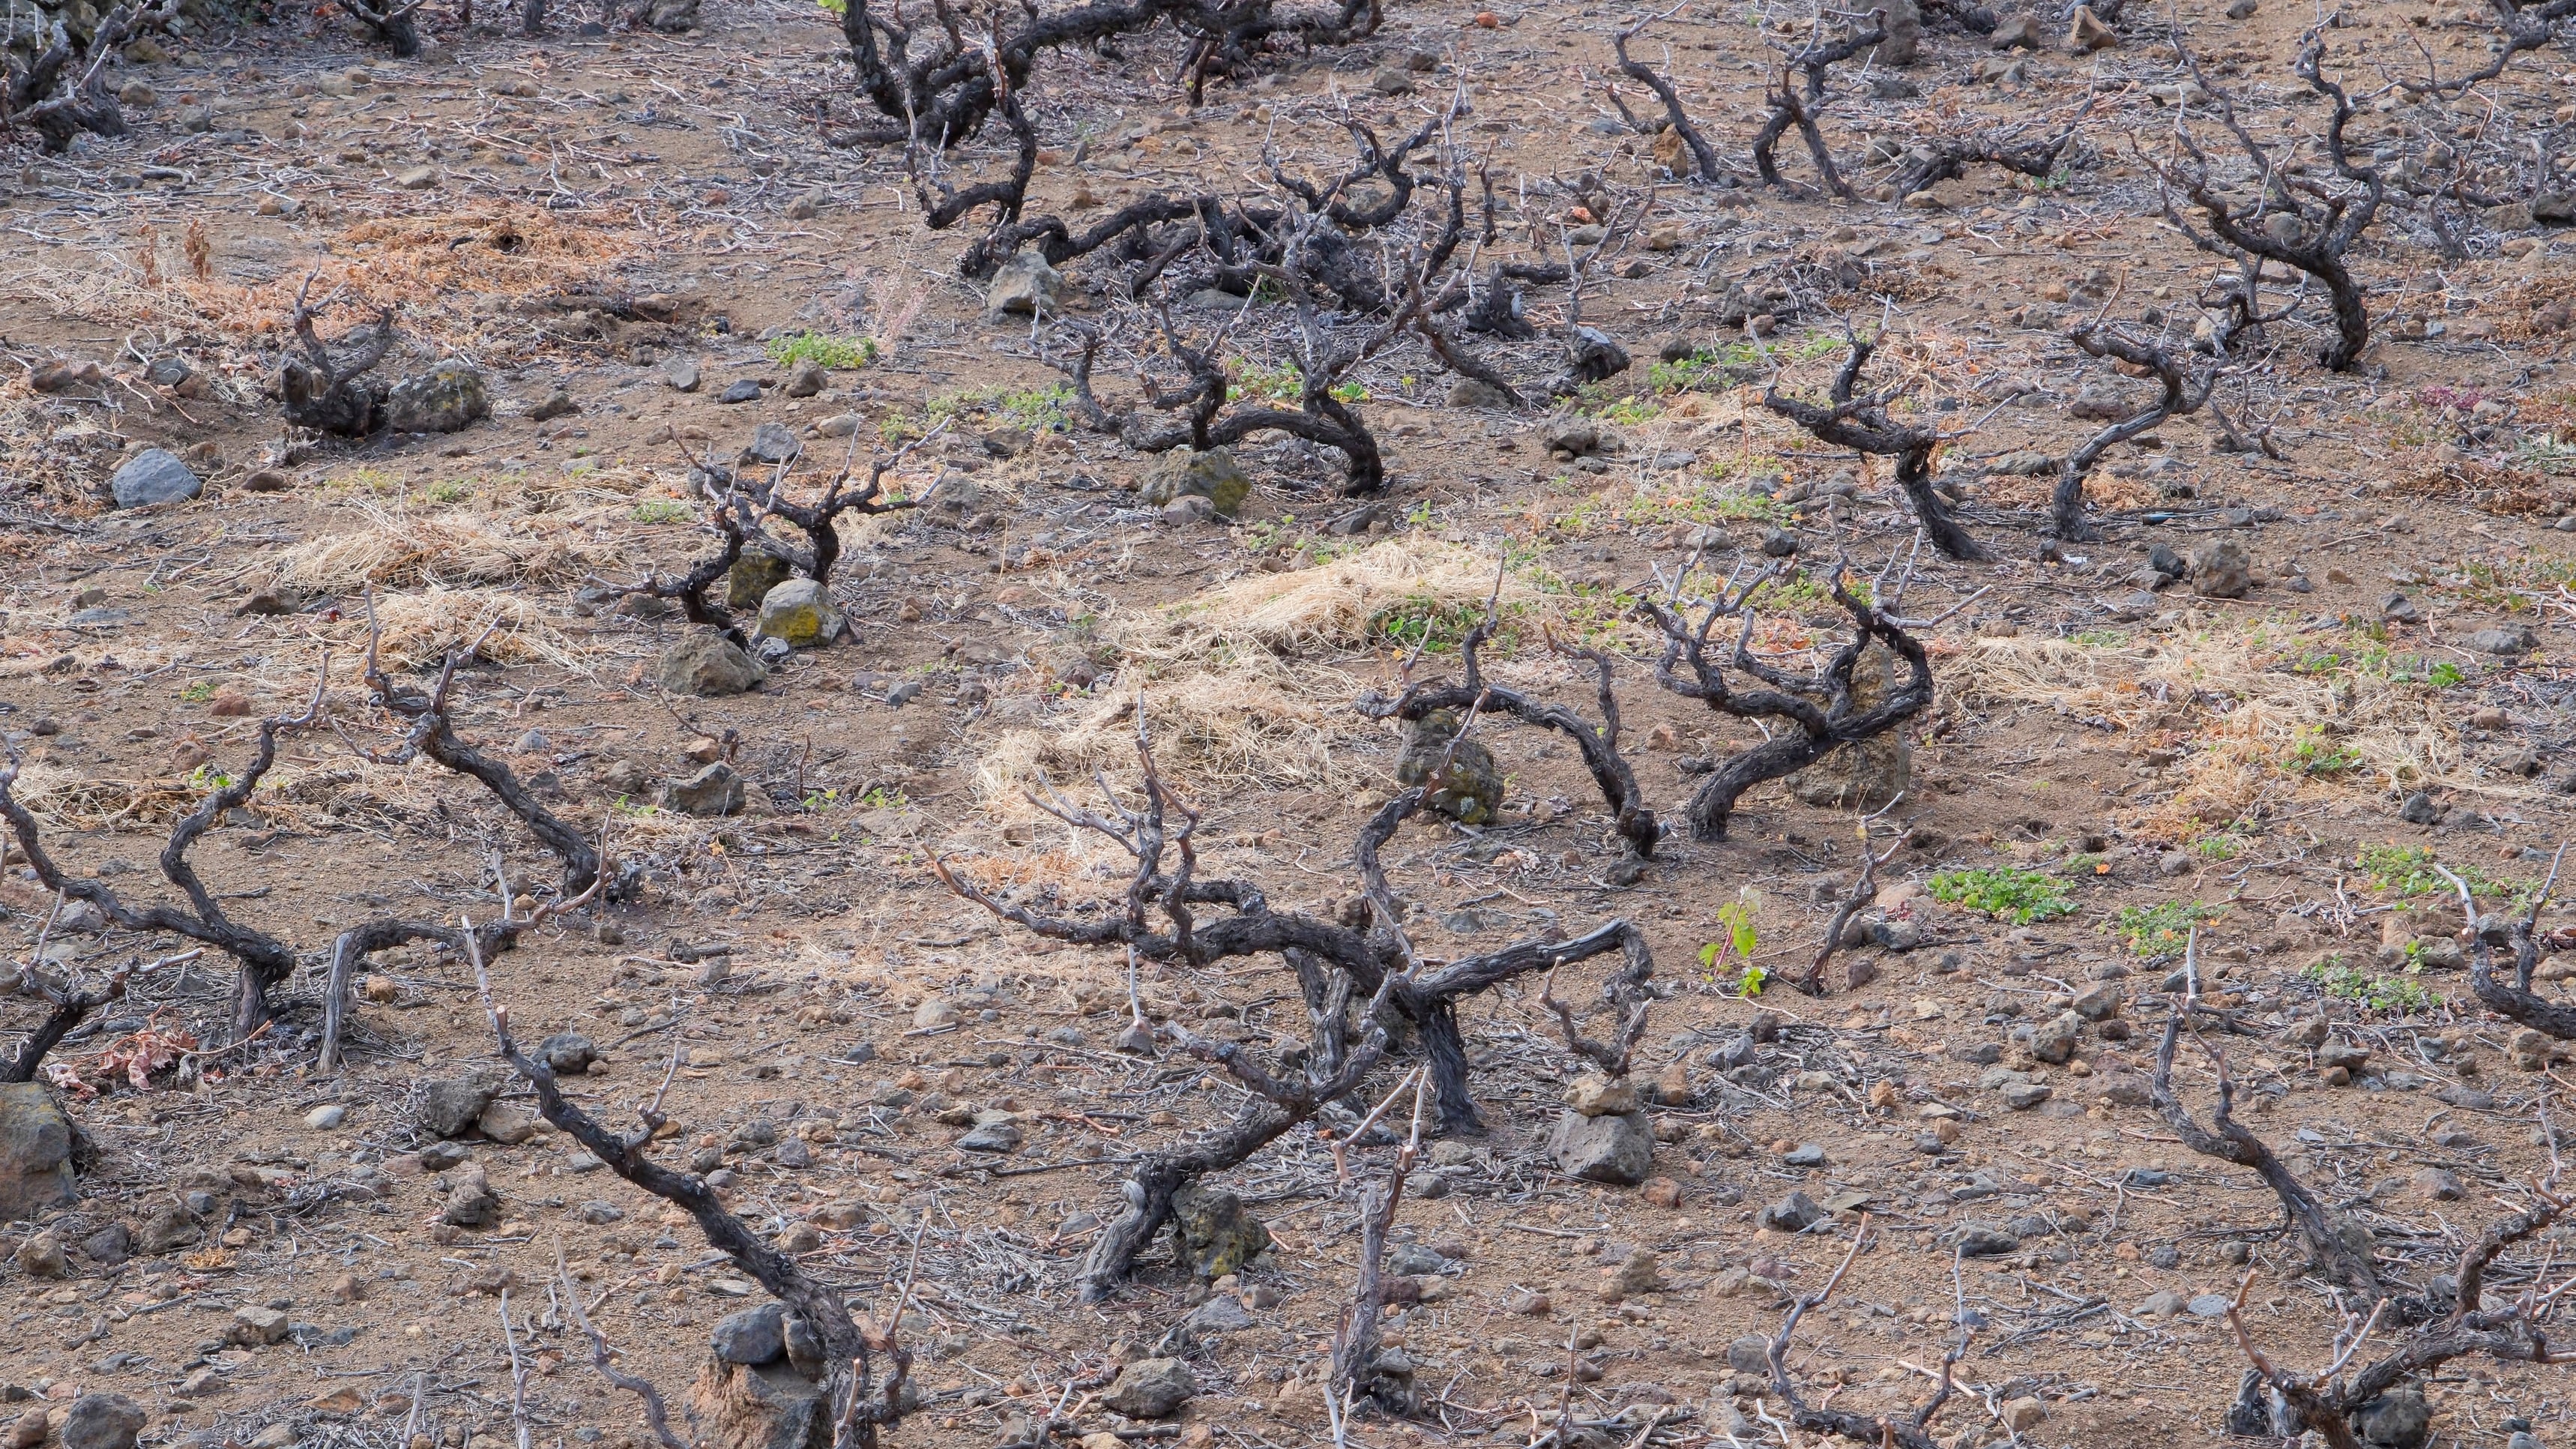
column 1283, row 385
column 2402, row 995
column 662, row 510
column 2018, row 896
column 1434, row 626
column 199, row 692
column 2408, row 871
column 2317, row 756
column 839, row 353
column 2162, row 929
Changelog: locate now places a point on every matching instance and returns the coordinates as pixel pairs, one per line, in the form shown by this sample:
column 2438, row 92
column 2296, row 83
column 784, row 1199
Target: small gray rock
column 741, row 390
column 102, row 1421
column 711, row 666
column 450, row 1106
column 681, row 373
column 1000, row 1135
column 2517, row 639
column 1975, row 1241
column 714, row 789
column 2221, row 570
column 1151, row 1388
column 2419, row 809
column 1617, row 1150
column 1221, row 1314
column 1792, row 1214
column 153, row 476
column 568, row 1052
column 1025, row 286
column 771, row 443
column 1415, row 1261
column 754, row 1336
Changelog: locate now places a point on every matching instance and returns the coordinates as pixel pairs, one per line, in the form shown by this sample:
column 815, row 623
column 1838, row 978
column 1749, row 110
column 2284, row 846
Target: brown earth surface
column 597, row 208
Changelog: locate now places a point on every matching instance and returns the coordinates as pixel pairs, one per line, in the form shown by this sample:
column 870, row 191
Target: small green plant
column 2162, row 929
column 661, row 510
column 2402, row 995
column 842, row 353
column 2217, row 846
column 2443, row 674
column 199, row 692
column 208, row 778
column 1282, row 385
column 2317, row 756
column 1738, row 944
column 2408, row 870
column 2007, row 893
column 633, row 809
column 1435, row 626
column 1633, row 410
column 818, row 801
column 880, row 797
column 452, row 491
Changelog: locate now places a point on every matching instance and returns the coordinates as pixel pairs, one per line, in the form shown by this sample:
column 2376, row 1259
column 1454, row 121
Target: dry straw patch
column 402, row 548
column 432, row 269
column 420, row 629
column 2376, row 732
column 1333, row 608
column 1235, row 685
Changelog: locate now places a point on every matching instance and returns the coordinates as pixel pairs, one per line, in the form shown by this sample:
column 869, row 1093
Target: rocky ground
column 2291, row 684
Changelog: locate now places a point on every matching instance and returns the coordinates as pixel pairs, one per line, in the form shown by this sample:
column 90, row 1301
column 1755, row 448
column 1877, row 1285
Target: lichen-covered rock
column 35, row 1152
column 710, row 666
column 800, row 612
column 442, row 400
column 1471, row 789
column 1217, row 1232
column 1184, row 472
column 1874, row 771
column 752, row 577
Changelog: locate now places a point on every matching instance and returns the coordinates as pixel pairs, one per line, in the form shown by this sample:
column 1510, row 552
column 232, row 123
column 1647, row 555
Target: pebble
column 326, row 1117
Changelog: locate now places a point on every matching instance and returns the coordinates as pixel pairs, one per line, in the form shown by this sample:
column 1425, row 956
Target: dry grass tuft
column 432, row 269
column 1234, row 685
column 2034, row 491
column 72, row 801
column 419, row 630
column 400, row 548
column 2490, row 487
column 2260, row 732
column 1245, row 723
column 1333, row 608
